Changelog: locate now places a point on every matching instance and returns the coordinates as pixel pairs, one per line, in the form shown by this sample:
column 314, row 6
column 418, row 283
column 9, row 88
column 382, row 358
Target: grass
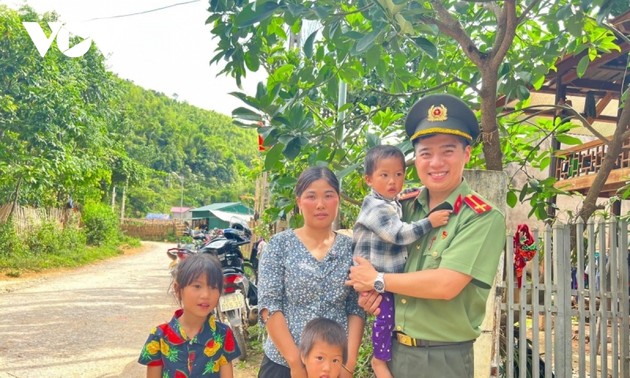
column 17, row 264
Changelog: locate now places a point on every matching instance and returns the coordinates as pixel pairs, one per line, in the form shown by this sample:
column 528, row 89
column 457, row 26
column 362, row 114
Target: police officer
column 441, row 297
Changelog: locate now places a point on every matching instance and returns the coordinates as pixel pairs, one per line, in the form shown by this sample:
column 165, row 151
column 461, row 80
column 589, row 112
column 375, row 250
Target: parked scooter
column 177, row 255
column 238, row 303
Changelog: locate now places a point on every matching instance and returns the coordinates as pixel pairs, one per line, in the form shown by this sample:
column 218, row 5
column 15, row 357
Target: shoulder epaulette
column 477, row 204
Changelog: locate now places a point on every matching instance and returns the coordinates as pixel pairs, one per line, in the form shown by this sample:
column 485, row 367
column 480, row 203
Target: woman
column 302, row 275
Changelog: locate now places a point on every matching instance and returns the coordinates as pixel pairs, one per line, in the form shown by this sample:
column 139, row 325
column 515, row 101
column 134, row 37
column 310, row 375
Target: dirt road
column 88, row 322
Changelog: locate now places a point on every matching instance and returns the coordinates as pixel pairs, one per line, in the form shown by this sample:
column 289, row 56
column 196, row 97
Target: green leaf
column 524, row 192
column 273, row 156
column 293, row 148
column 567, row 139
column 348, row 170
column 366, row 42
column 582, row 65
column 427, row 46
column 249, row 16
column 511, row 199
column 244, row 113
column 372, row 140
column 522, row 92
column 373, row 56
column 308, row 45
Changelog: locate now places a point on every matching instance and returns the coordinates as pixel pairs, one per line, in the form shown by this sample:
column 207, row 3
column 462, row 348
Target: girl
column 193, row 343
column 324, row 348
column 302, row 274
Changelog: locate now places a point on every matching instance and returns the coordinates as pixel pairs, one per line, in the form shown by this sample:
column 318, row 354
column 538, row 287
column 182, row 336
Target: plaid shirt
column 381, row 236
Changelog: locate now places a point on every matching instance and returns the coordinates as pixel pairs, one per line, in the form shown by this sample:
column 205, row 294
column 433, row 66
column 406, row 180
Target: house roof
column 217, row 206
column 179, row 209
column 603, row 80
column 232, row 207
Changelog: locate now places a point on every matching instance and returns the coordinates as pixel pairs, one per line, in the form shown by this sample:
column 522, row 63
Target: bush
column 101, row 224
column 10, row 243
column 44, row 240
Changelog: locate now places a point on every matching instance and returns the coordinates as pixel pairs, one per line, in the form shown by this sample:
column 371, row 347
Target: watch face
column 379, row 286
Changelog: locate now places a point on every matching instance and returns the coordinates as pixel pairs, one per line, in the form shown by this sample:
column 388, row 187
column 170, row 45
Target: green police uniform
column 435, row 336
column 470, row 243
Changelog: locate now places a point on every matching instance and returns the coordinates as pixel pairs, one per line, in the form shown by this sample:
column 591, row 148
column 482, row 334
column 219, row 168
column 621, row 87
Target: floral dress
column 292, row 281
column 181, row 357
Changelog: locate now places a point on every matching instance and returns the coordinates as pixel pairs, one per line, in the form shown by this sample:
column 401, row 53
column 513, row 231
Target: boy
column 323, row 348
column 380, row 236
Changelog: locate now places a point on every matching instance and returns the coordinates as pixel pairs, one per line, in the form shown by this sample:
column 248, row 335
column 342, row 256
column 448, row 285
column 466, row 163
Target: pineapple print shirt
column 181, row 357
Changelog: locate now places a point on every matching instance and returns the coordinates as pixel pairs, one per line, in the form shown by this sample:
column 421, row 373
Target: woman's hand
column 362, row 275
column 369, row 302
column 298, row 370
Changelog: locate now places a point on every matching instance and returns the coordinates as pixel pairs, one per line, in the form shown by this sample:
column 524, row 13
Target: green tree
column 389, row 53
column 53, row 117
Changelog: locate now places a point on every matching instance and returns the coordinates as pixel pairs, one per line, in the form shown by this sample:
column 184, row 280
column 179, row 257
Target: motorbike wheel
column 250, row 272
column 241, row 336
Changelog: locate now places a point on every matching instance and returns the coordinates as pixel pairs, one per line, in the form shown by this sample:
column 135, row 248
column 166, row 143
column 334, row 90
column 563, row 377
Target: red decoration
column 458, row 204
column 524, row 250
column 261, row 143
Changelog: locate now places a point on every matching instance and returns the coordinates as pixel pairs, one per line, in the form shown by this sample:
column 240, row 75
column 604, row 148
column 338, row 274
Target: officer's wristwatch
column 379, row 283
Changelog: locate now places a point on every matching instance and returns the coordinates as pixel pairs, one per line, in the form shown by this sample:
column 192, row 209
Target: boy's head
column 385, row 170
column 323, row 348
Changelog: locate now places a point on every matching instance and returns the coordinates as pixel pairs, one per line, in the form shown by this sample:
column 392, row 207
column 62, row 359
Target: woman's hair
column 326, row 330
column 313, row 174
column 378, row 153
column 194, row 266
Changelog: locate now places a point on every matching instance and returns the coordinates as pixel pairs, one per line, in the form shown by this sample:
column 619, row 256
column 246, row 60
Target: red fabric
column 261, row 143
column 524, row 250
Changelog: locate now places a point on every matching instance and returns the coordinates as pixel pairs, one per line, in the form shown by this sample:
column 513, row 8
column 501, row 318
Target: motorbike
column 238, row 303
column 177, row 255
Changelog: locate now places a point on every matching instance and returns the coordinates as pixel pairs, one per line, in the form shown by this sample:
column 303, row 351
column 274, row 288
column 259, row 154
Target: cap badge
column 437, row 113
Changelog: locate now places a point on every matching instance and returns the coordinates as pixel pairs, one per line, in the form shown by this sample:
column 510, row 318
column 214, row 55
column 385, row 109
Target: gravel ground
column 88, row 322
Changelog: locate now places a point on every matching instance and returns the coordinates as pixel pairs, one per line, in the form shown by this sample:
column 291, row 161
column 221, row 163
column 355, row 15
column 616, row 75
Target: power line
column 142, row 12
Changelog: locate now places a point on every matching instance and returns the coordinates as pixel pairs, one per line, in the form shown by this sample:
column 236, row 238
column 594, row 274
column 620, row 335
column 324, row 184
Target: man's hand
column 362, row 275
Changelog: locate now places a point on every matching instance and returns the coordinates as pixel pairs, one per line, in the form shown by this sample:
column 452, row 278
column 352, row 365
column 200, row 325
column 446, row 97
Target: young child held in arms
column 193, row 343
column 323, row 348
column 380, row 236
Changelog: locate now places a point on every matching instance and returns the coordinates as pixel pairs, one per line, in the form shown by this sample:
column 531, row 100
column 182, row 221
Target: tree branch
column 448, row 25
column 574, row 112
column 505, row 34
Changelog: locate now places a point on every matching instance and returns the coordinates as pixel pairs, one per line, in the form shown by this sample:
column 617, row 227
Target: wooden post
column 492, row 185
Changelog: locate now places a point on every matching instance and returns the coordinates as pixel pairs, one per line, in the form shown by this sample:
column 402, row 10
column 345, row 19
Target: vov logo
column 43, row 43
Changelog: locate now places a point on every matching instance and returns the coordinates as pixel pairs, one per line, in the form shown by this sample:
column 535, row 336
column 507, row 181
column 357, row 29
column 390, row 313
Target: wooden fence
column 571, row 317
column 27, row 218
column 153, row 229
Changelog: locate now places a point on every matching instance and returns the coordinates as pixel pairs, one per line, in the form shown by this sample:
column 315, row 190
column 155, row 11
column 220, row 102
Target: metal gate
column 570, row 317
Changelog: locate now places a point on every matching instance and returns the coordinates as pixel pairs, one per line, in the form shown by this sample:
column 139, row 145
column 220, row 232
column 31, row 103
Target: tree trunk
column 489, row 129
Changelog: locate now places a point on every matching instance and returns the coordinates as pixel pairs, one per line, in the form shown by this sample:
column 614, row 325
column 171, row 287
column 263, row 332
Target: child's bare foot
column 380, row 369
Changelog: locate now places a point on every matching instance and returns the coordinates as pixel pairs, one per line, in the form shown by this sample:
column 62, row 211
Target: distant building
column 222, row 214
column 181, row 212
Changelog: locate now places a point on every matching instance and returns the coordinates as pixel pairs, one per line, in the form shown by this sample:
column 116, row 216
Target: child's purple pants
column 383, row 327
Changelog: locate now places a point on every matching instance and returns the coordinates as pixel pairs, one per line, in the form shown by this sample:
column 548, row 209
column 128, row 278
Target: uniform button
column 418, row 247
column 398, row 328
column 404, row 301
column 434, row 254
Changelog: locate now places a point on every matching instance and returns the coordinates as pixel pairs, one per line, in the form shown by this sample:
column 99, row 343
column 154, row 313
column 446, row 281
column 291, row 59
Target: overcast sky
column 167, row 50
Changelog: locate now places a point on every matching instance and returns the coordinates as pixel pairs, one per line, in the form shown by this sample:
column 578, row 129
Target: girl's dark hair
column 194, row 266
column 378, row 153
column 313, row 174
column 326, row 330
